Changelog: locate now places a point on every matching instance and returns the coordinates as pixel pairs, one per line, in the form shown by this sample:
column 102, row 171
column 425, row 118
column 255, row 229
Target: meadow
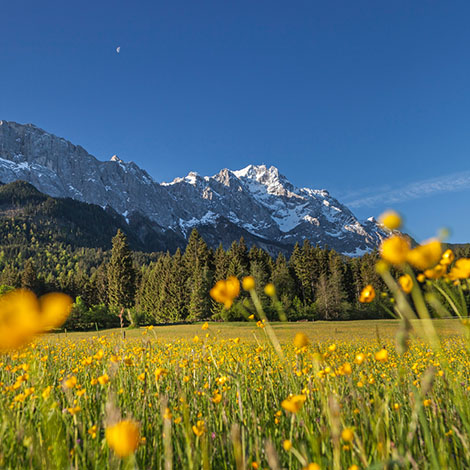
column 217, row 396
column 377, row 395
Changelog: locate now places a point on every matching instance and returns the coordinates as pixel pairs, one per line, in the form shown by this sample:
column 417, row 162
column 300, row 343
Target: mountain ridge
column 257, row 201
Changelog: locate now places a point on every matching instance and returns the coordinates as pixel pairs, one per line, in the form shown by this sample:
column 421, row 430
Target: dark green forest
column 49, row 244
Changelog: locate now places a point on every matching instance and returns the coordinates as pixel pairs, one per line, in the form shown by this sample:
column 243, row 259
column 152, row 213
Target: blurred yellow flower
column 437, row 272
column 406, row 283
column 391, row 220
column 287, row 445
column 200, row 428
column 347, row 434
column 381, row 356
column 367, row 294
column 270, row 290
column 447, row 257
column 104, row 379
column 301, row 340
column 395, row 249
column 426, row 255
column 123, row 437
column 312, row 466
column 294, row 403
column 461, row 269
column 248, row 283
column 23, row 316
column 225, row 291
column 70, row 382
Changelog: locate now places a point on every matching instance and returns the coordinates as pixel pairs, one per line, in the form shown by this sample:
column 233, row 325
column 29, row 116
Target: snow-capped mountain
column 256, row 202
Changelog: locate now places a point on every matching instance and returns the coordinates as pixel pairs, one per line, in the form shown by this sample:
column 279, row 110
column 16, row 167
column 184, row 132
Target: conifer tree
column 29, row 277
column 121, row 273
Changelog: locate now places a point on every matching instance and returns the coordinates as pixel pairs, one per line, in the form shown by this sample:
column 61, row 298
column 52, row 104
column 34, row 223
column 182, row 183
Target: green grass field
column 320, row 331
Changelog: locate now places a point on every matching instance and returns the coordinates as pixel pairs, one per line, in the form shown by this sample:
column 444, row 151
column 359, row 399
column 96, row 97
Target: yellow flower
column 447, row 257
column 248, row 283
column 406, row 283
column 426, row 255
column 360, row 358
column 199, row 429
column 353, row 467
column 70, row 382
column 217, row 398
column 46, row 392
column 312, row 466
column 23, row 316
column 390, row 220
column 395, row 249
column 301, row 340
column 381, row 356
column 160, row 372
column 461, row 269
column 225, row 291
column 73, row 411
column 427, row 402
column 167, row 415
column 270, row 290
column 437, row 272
column 104, row 379
column 294, row 403
column 287, row 445
column 123, row 437
column 92, row 431
column 421, row 277
column 367, row 294
column 205, row 326
column 347, row 434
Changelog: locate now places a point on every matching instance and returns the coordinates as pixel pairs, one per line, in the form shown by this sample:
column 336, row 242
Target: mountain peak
column 256, row 201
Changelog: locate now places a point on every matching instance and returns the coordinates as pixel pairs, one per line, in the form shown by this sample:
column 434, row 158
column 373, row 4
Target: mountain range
column 256, row 202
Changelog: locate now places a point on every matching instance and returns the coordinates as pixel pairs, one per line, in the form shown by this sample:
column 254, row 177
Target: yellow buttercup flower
column 200, row 428
column 301, row 340
column 461, row 269
column 347, row 434
column 23, row 316
column 425, row 256
column 390, row 220
column 70, row 382
column 123, row 437
column 270, row 290
column 294, row 403
column 225, row 291
column 312, row 466
column 406, row 283
column 381, row 356
column 287, row 445
column 248, row 283
column 367, row 294
column 395, row 249
column 447, row 257
column 437, row 272
column 421, row 277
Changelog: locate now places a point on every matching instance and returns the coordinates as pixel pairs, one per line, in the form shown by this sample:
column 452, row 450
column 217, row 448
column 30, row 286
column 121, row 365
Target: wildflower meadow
column 212, row 400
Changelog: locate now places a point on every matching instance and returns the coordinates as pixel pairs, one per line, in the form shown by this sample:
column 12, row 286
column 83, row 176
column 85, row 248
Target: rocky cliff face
column 256, row 202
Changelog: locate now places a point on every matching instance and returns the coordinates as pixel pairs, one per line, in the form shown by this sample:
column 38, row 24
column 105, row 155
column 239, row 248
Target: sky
column 367, row 99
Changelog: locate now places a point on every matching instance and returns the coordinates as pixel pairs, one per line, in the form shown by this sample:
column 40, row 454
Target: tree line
column 313, row 283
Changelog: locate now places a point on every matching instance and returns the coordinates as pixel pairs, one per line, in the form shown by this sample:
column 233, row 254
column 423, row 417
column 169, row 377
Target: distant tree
column 29, row 277
column 121, row 273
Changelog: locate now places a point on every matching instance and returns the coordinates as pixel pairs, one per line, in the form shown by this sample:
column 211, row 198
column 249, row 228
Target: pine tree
column 121, row 274
column 29, row 277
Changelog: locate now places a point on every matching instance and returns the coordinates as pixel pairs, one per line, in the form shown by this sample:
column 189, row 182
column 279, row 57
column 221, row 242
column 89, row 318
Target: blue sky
column 368, row 99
